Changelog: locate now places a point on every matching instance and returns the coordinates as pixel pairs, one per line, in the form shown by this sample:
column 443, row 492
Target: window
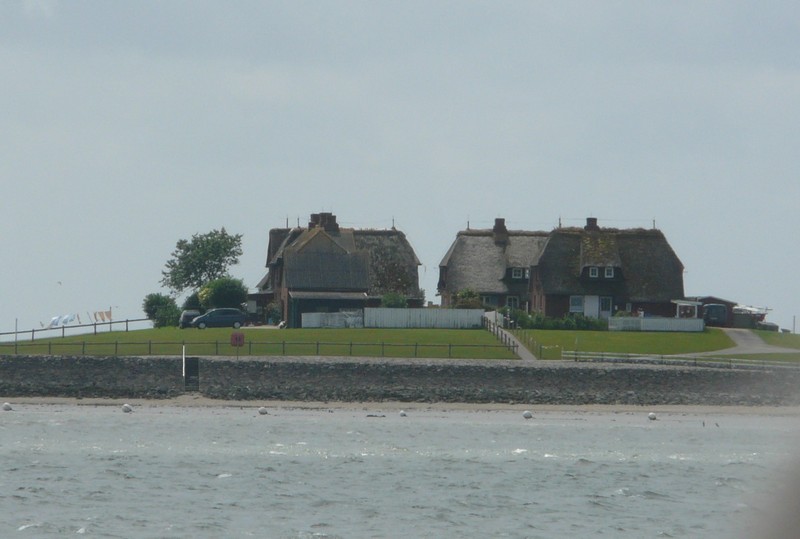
column 609, row 272
column 512, row 302
column 605, row 304
column 576, row 304
column 594, row 272
column 516, row 273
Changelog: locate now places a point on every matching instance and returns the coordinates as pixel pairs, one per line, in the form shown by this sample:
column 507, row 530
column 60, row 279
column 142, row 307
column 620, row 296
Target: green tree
column 167, row 316
column 202, row 259
column 223, row 292
column 161, row 309
column 192, row 302
column 153, row 302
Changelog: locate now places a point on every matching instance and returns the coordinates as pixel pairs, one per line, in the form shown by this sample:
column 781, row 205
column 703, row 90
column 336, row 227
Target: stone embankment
column 375, row 380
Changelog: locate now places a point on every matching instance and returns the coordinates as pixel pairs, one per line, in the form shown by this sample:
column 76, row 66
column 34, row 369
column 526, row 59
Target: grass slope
column 431, row 343
column 657, row 343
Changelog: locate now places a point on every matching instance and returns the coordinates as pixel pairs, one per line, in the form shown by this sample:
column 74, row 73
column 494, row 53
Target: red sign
column 237, row 339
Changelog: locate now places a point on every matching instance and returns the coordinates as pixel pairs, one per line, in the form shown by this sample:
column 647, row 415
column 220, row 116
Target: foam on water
column 212, row 472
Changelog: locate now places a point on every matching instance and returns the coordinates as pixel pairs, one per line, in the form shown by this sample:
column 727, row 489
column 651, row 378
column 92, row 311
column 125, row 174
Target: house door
column 591, row 306
column 605, row 307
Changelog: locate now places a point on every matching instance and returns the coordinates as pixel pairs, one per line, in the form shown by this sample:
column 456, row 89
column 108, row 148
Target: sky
column 130, row 125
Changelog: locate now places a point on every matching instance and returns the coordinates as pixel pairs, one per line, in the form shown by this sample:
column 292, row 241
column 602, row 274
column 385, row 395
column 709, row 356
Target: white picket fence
column 625, row 323
column 382, row 317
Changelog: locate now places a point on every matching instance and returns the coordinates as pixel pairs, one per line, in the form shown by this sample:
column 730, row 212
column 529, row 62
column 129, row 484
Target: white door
column 591, row 306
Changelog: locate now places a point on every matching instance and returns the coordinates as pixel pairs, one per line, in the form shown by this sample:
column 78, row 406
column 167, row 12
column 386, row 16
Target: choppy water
column 230, row 472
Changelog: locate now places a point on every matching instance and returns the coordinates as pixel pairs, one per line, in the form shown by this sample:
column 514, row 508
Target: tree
column 202, row 259
column 161, row 309
column 153, row 302
column 223, row 292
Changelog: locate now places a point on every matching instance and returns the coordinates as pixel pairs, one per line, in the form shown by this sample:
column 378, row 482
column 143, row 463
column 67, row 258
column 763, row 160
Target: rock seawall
column 365, row 380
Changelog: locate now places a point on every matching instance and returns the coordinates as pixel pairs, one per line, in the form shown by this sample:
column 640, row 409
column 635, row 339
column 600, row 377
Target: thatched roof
column 651, row 271
column 352, row 259
column 478, row 262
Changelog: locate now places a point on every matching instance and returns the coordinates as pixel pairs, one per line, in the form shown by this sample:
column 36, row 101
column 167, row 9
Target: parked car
column 220, row 318
column 186, row 318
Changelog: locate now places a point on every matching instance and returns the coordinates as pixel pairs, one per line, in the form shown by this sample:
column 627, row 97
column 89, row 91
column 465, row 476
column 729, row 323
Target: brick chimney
column 591, row 224
column 500, row 231
column 325, row 221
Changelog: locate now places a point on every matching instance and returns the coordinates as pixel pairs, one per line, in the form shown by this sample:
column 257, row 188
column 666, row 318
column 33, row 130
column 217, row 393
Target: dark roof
column 650, row 268
column 476, row 261
column 380, row 250
column 327, row 271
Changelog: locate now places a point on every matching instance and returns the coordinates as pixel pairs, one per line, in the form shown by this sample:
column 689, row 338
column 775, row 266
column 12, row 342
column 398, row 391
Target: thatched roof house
column 600, row 271
column 326, row 268
column 494, row 262
column 591, row 270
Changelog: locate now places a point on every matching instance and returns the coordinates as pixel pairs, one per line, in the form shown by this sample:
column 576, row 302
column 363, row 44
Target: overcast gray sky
column 130, row 125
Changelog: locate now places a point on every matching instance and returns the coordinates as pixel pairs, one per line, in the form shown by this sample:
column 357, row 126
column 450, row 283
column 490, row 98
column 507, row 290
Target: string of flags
column 64, row 320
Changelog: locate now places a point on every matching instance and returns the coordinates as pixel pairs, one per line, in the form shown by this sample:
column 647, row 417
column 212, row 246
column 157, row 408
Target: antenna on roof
column 654, row 224
column 559, row 221
column 287, row 221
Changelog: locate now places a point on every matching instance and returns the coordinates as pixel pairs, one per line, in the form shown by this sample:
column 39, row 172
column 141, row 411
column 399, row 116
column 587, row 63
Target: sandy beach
column 190, row 400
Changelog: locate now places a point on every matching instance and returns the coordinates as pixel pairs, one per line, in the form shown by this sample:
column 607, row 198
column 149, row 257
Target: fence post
column 382, row 352
column 63, row 329
column 116, row 348
column 126, row 325
column 216, row 347
column 449, row 350
column 49, row 348
column 83, row 347
column 317, row 347
column 415, row 349
column 149, row 348
column 283, row 348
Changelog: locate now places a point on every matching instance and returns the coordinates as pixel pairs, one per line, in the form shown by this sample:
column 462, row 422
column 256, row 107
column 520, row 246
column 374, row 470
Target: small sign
column 237, row 339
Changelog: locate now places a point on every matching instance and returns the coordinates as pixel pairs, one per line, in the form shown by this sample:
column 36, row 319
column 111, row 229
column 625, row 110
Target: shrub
column 167, row 316
column 394, row 300
column 153, row 302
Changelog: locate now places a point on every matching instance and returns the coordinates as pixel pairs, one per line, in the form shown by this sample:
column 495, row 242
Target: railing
column 256, row 348
column 681, row 361
column 63, row 329
column 502, row 335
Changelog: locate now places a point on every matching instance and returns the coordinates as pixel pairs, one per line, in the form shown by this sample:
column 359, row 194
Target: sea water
column 168, row 471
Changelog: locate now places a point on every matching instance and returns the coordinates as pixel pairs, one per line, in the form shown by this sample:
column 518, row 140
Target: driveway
column 748, row 342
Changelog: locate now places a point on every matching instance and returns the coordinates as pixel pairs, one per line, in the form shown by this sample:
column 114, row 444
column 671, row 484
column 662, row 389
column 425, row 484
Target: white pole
column 184, row 361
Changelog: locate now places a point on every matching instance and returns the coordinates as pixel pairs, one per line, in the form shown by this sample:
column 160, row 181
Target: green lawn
column 436, row 343
column 551, row 342
column 784, row 340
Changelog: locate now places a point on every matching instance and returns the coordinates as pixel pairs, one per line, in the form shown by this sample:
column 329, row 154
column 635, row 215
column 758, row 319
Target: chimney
column 500, row 231
column 314, row 221
column 591, row 224
column 328, row 222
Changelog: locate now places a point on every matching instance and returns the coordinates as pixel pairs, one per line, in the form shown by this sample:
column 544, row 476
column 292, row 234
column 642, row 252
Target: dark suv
column 187, row 317
column 220, row 318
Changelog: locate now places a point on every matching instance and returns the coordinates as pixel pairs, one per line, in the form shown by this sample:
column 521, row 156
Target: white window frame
column 512, row 302
column 609, row 274
column 576, row 304
column 594, row 272
column 517, row 273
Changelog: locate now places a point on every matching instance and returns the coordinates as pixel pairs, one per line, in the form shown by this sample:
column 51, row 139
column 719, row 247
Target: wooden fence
column 257, row 348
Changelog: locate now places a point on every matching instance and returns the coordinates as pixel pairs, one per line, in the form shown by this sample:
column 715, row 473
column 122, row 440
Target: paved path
column 748, row 342
column 522, row 351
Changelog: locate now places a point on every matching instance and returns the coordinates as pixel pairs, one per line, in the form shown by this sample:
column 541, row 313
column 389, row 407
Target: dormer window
column 519, row 273
column 609, row 272
column 594, row 272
